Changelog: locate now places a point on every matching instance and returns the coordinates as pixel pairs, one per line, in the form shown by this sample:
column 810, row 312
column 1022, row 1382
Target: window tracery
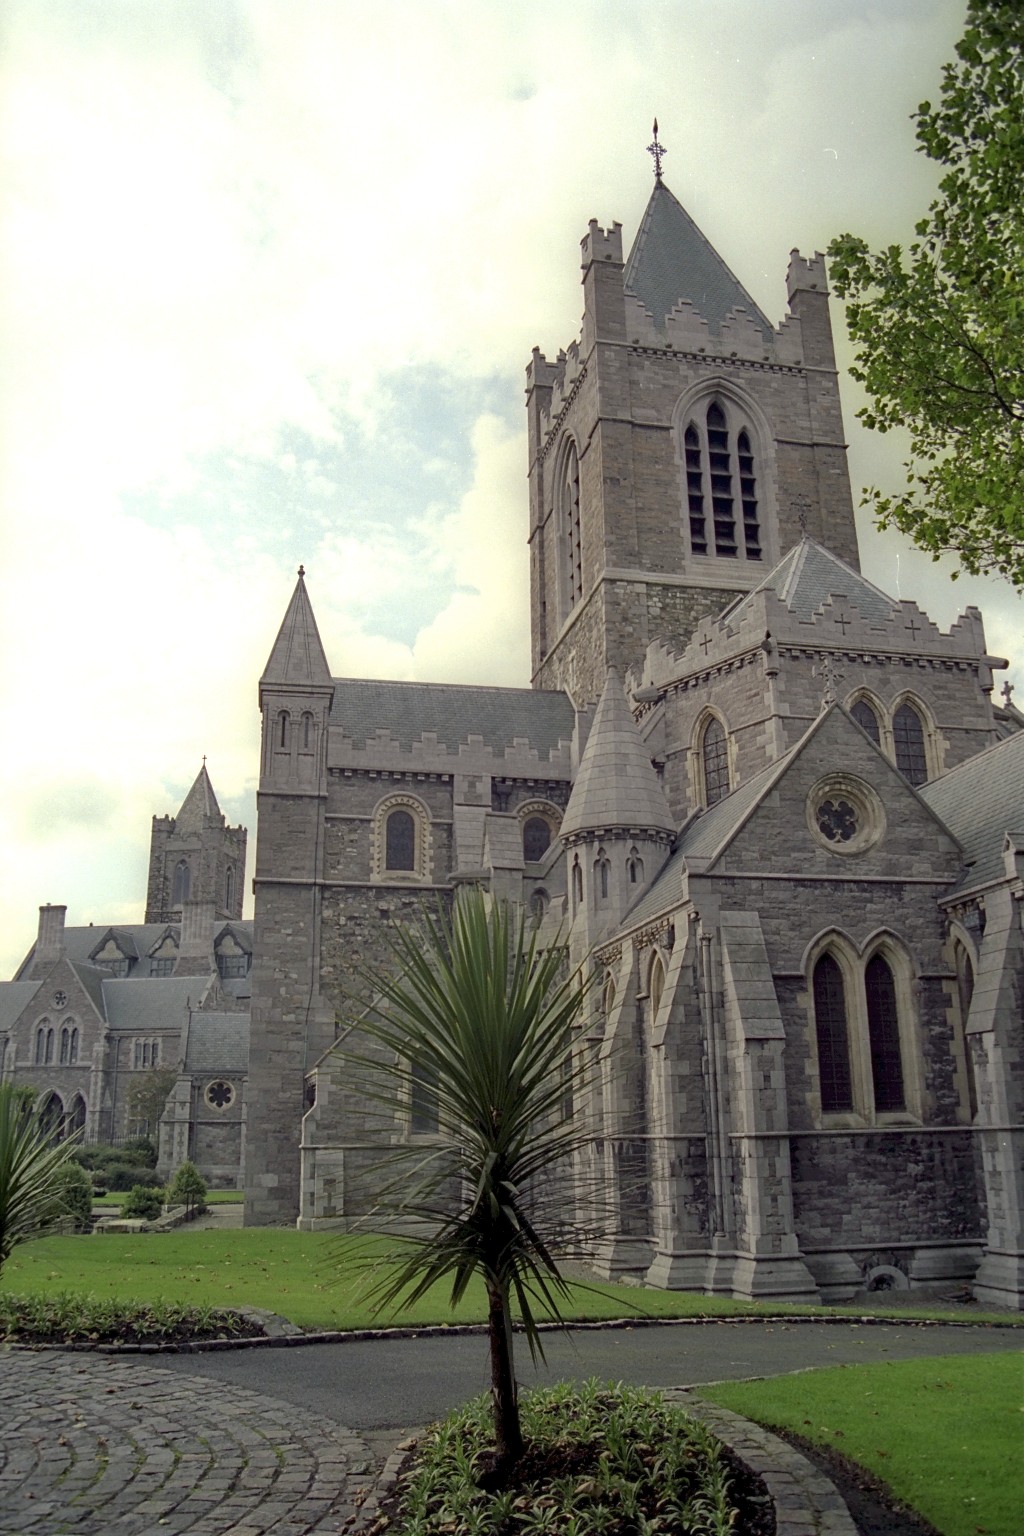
column 867, row 1061
column 714, row 760
column 909, row 744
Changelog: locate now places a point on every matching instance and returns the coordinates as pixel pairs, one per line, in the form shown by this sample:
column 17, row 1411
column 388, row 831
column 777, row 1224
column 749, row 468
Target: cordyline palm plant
column 478, row 1011
column 31, row 1165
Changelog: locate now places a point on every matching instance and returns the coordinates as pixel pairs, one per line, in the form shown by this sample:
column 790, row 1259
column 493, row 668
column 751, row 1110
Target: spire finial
column 302, row 572
column 658, row 151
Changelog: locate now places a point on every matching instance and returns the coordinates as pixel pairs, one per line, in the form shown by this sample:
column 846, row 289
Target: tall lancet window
column 721, row 480
column 569, row 498
column 908, row 739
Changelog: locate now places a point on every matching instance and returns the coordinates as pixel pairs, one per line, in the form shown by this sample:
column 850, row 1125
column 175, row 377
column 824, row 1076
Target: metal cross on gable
column 658, row 151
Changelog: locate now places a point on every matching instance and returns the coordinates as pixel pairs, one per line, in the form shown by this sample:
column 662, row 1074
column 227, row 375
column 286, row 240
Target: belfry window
column 400, row 841
column 283, row 721
column 721, row 479
column 908, row 740
column 831, row 1029
column 182, row 883
column 569, row 501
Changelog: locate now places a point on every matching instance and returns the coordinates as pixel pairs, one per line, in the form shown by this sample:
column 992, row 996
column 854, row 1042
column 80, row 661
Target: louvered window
column 748, row 496
column 721, row 487
column 571, row 529
column 833, row 1044
column 695, row 491
column 720, row 471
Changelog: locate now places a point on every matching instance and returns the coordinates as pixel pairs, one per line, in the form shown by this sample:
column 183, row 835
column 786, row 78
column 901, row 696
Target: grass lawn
column 946, row 1435
column 293, row 1273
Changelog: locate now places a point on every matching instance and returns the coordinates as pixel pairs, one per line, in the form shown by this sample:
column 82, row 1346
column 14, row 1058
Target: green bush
column 124, row 1176
column 76, row 1195
column 139, row 1152
column 188, row 1189
column 139, row 1149
column 143, row 1201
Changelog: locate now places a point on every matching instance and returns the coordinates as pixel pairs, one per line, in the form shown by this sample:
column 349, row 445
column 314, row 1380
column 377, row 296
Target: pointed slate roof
column 672, row 260
column 616, row 785
column 981, row 800
column 298, row 656
column 199, row 803
column 808, row 576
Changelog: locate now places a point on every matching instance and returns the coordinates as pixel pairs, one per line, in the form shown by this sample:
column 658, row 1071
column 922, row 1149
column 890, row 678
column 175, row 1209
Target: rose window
column 837, row 820
column 220, row 1095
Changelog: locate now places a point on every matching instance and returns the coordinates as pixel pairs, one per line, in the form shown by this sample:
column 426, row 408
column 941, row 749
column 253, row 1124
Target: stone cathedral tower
column 677, row 450
column 195, row 857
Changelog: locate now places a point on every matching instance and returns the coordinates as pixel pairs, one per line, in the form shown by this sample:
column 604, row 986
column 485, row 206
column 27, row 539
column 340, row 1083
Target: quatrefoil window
column 220, row 1095
column 837, row 820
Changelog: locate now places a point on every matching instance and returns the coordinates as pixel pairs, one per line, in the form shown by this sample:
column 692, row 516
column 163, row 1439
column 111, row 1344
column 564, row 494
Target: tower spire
column 658, row 151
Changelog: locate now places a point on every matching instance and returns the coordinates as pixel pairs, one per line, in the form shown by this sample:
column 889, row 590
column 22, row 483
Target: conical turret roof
column 616, row 785
column 199, row 803
column 672, row 260
column 298, row 655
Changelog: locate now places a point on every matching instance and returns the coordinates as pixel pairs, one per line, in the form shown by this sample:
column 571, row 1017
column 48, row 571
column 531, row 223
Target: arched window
column 51, row 1116
column 718, row 456
column 538, row 906
column 40, row 1052
column 609, row 993
column 307, row 732
column 601, row 875
column 423, row 1106
column 635, row 868
column 283, row 721
column 536, row 839
column 884, row 1036
column 577, row 884
column 73, row 1046
column 569, row 505
column 908, row 740
column 49, row 1047
column 965, row 995
column 400, row 841
column 656, row 985
column 75, row 1122
column 833, row 1043
column 229, row 889
column 182, row 883
column 867, row 720
column 715, row 762
column 65, row 1046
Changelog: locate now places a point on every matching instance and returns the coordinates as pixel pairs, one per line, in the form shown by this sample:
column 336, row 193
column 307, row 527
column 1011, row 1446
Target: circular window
column 220, row 1095
column 844, row 814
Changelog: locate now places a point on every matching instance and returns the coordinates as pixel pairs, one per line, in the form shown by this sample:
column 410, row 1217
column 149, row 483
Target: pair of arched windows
column 51, row 1046
column 68, row 1045
column 907, row 733
column 857, row 1026
column 721, row 484
column 307, row 732
column 44, row 1044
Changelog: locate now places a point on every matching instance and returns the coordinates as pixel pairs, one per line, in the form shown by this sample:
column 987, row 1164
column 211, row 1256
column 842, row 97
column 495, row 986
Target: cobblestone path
column 97, row 1447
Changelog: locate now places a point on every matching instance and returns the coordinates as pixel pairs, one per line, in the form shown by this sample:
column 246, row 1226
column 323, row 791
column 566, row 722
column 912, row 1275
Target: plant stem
column 508, row 1435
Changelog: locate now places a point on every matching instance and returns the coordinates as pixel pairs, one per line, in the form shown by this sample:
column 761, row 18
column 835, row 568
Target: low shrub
column 599, row 1459
column 120, row 1177
column 76, row 1195
column 143, row 1202
column 65, row 1318
column 138, row 1152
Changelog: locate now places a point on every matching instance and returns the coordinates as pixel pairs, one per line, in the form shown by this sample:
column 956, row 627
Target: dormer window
column 721, row 484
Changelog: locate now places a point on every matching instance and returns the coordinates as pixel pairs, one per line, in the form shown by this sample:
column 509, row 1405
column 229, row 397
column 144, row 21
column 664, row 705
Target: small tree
column 146, row 1098
column 76, row 1194
column 481, row 1014
column 31, row 1171
column 188, row 1188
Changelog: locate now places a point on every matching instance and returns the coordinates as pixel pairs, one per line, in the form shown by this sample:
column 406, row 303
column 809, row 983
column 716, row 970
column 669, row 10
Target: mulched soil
column 873, row 1507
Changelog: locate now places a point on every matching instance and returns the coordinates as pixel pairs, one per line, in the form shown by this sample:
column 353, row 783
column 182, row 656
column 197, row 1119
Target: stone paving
column 98, row 1447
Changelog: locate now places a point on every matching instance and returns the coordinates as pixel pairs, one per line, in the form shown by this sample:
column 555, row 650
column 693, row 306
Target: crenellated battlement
column 601, row 244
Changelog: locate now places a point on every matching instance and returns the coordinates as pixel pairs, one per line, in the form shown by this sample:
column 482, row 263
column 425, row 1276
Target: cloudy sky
column 270, row 272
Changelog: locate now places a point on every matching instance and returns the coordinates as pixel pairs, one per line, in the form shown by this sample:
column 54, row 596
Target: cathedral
column 777, row 814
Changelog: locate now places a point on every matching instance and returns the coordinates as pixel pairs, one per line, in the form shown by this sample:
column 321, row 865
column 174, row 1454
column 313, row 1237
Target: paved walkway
column 100, row 1447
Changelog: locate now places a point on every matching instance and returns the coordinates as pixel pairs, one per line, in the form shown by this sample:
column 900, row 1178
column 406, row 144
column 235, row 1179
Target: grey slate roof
column 199, row 803
column 616, row 785
column 671, row 260
column 218, row 1042
column 980, row 801
column 147, row 1003
column 15, row 996
column 808, row 576
column 408, row 710
column 79, row 943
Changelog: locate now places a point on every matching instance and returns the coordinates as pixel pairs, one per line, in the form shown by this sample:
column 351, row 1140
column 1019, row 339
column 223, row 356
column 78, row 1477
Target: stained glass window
column 715, row 754
column 400, row 841
column 867, row 720
column 908, row 738
column 884, row 1036
column 833, row 1044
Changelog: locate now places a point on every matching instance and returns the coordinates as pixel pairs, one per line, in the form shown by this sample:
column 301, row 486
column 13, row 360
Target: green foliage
column 31, row 1172
column 76, row 1194
column 940, row 332
column 943, row 1434
column 119, row 1177
column 147, row 1096
column 477, row 1010
column 136, row 1152
column 188, row 1188
column 143, row 1202
column 66, row 1318
column 603, row 1460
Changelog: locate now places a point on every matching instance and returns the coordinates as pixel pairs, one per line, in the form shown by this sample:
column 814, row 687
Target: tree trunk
column 508, row 1435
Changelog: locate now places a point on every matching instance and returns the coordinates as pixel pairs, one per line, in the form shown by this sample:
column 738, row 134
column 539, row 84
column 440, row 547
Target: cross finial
column 1007, row 690
column 658, row 151
column 204, row 759
column 831, row 677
